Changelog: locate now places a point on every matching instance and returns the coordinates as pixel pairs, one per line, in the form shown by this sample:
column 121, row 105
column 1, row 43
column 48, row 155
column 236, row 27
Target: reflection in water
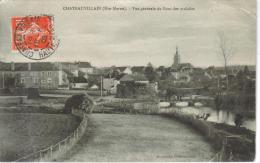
column 219, row 116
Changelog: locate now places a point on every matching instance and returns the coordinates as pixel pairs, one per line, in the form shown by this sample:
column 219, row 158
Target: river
column 221, row 116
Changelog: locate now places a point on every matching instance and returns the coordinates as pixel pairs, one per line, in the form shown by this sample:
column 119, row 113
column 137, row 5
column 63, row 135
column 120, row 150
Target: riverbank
column 233, row 143
column 218, row 116
column 237, row 103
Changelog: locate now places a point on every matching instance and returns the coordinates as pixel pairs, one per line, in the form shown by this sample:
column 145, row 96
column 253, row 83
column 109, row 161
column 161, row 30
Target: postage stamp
column 33, row 36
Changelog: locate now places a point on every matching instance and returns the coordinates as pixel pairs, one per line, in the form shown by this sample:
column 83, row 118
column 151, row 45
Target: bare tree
column 226, row 51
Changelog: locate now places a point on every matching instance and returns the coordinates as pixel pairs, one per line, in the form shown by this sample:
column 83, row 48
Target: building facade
column 44, row 75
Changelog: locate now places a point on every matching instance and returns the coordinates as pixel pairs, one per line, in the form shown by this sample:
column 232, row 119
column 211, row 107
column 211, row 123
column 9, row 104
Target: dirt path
column 117, row 137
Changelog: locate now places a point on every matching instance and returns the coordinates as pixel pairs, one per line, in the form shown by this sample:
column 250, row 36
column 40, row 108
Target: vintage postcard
column 128, row 80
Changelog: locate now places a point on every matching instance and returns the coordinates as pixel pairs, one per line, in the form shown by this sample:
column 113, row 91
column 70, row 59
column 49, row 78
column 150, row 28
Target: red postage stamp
column 33, row 36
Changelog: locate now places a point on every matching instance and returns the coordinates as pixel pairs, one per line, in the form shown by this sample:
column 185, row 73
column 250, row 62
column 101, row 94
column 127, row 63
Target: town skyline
column 156, row 66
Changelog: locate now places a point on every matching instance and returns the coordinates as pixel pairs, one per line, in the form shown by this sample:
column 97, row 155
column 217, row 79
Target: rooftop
column 84, row 65
column 36, row 66
column 129, row 77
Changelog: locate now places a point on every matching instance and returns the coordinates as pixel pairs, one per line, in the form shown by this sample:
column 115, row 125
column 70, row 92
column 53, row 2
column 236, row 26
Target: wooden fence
column 54, row 151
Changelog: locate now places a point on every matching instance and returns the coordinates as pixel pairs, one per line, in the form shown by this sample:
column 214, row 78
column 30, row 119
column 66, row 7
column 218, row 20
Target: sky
column 121, row 38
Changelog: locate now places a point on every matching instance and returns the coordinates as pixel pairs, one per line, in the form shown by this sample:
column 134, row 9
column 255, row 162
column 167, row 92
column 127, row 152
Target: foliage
column 238, row 120
column 134, row 90
column 126, row 90
column 74, row 102
column 167, row 83
column 165, row 72
column 81, row 74
column 226, row 51
column 150, row 73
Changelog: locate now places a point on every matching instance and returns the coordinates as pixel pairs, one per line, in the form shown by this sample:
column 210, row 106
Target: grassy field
column 19, row 104
column 117, row 137
column 24, row 133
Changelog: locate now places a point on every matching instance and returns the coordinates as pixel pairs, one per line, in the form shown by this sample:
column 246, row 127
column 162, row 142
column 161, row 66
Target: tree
column 225, row 50
column 149, row 64
column 238, row 120
column 150, row 73
column 81, row 74
column 246, row 71
column 161, row 68
column 240, row 80
column 166, row 73
column 167, row 83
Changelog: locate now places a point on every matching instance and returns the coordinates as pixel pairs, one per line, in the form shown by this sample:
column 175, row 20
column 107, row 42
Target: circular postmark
column 34, row 37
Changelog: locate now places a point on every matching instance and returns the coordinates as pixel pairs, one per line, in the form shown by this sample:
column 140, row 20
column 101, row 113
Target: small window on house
column 42, row 73
column 49, row 73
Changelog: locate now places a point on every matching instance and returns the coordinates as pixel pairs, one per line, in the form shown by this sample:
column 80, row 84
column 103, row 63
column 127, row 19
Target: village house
column 110, row 85
column 85, row 67
column 138, row 70
column 140, row 78
column 94, row 87
column 43, row 75
column 78, row 82
column 124, row 70
column 232, row 70
column 131, row 85
column 69, row 67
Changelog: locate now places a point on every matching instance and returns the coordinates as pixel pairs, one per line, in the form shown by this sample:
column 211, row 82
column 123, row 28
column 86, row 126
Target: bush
column 73, row 102
column 79, row 101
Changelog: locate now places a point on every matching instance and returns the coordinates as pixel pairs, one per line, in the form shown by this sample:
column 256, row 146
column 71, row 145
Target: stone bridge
column 187, row 94
column 181, row 92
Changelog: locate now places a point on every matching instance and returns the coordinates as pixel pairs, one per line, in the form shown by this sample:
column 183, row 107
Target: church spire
column 176, row 60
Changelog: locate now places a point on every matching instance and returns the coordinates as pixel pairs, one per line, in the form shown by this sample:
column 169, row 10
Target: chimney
column 29, row 66
column 12, row 66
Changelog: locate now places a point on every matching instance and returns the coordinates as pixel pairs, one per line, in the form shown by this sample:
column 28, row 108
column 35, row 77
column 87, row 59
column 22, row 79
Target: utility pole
column 101, row 86
column 218, row 87
column 218, row 82
column 3, row 79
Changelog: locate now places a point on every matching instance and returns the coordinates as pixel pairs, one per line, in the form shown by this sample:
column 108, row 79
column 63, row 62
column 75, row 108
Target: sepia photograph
column 128, row 80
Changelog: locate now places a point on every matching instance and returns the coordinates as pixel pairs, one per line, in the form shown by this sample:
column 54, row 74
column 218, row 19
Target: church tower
column 177, row 58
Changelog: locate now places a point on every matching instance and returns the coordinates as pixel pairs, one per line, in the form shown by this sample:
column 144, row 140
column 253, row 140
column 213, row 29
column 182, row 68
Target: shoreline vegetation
column 244, row 105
